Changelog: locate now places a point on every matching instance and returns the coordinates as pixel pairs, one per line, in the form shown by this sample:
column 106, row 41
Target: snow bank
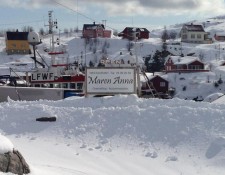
column 5, row 145
column 172, row 121
column 121, row 134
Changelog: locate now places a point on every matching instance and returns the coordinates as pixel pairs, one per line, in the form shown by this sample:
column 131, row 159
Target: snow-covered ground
column 117, row 135
column 197, row 84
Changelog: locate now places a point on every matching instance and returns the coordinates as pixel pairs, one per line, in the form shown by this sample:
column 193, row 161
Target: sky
column 118, row 14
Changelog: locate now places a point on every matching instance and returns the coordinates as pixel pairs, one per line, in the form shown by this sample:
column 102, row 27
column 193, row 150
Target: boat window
column 65, row 85
column 79, row 85
column 51, row 85
column 72, row 85
column 36, row 85
column 56, row 85
column 46, row 85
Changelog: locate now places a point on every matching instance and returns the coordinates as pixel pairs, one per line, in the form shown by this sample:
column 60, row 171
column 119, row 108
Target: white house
column 194, row 33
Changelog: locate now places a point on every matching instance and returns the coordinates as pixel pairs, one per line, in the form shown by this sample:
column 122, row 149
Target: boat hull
column 33, row 94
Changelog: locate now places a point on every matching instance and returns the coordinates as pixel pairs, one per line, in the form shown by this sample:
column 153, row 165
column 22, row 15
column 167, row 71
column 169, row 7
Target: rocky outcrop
column 13, row 162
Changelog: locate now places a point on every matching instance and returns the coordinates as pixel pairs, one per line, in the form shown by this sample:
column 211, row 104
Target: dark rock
column 4, row 161
column 13, row 162
column 46, row 119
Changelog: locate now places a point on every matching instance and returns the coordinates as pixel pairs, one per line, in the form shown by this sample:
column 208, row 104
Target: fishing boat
column 54, row 82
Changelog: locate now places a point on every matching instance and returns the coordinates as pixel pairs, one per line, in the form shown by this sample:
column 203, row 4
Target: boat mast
column 51, row 26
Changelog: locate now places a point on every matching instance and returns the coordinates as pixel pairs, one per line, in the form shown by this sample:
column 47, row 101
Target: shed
column 156, row 84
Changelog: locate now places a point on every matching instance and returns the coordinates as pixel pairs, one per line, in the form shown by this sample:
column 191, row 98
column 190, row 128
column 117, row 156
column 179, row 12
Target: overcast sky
column 117, row 13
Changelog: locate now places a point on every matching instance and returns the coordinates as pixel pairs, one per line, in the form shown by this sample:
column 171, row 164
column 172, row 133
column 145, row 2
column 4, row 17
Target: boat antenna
column 51, row 25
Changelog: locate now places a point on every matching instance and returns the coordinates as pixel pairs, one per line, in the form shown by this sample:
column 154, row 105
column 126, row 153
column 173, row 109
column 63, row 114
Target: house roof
column 194, row 27
column 92, row 26
column 150, row 77
column 178, row 60
column 220, row 34
column 17, row 35
column 136, row 29
column 126, row 56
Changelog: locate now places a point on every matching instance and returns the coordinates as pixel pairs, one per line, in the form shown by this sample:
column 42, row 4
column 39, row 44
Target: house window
column 65, row 85
column 184, row 36
column 195, row 67
column 72, row 85
column 179, row 66
column 162, row 84
column 168, row 67
column 192, row 36
column 199, row 36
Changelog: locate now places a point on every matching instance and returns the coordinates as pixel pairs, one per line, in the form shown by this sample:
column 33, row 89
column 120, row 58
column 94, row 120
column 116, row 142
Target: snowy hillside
column 117, row 135
column 211, row 55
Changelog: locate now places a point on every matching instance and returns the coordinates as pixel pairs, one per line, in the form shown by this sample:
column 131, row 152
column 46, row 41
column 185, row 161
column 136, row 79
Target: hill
column 86, row 51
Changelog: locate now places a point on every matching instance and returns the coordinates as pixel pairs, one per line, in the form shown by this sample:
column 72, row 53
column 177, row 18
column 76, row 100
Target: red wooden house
column 219, row 36
column 95, row 30
column 155, row 84
column 184, row 64
column 132, row 33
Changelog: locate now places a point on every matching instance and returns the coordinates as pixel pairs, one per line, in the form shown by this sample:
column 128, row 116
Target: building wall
column 181, row 67
column 194, row 67
column 94, row 33
column 89, row 33
column 17, row 47
column 193, row 37
column 144, row 35
column 160, row 84
column 107, row 33
column 198, row 64
column 128, row 34
column 169, row 65
column 220, row 38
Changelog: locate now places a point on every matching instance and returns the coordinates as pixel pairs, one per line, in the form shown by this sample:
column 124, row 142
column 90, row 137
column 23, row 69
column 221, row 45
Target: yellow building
column 17, row 43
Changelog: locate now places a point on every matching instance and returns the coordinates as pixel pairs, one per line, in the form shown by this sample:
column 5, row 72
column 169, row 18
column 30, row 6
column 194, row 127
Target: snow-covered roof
column 127, row 56
column 178, row 60
column 194, row 27
column 136, row 29
column 220, row 34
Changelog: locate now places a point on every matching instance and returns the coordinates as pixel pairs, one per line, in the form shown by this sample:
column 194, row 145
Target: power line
column 76, row 11
column 93, row 20
column 27, row 22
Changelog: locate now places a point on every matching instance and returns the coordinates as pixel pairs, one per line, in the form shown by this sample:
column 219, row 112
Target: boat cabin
column 74, row 82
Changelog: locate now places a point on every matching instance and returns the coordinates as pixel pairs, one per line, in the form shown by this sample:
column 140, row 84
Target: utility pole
column 137, row 67
column 219, row 51
column 77, row 16
column 104, row 22
column 51, row 25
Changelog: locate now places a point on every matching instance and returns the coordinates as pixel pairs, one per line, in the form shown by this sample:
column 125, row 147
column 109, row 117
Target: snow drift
column 120, row 134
